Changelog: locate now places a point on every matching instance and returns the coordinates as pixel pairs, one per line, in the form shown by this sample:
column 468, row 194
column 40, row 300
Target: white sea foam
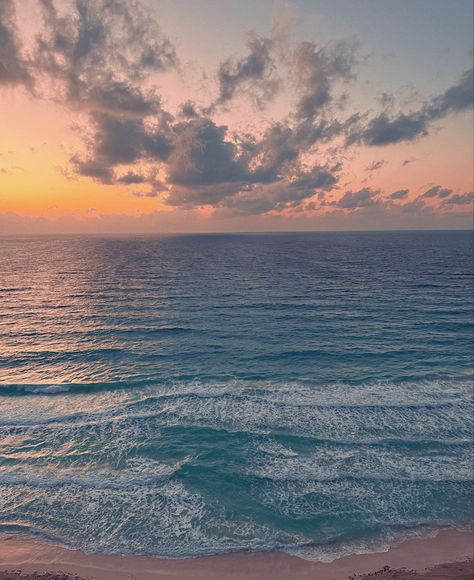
column 381, row 543
column 332, row 461
column 135, row 472
column 418, row 411
column 168, row 521
column 46, row 389
column 380, row 454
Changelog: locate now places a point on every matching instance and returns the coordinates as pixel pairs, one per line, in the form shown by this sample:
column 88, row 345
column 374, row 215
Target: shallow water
column 188, row 395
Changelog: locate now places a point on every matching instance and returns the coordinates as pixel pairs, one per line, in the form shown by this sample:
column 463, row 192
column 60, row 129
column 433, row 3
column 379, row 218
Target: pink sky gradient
column 287, row 127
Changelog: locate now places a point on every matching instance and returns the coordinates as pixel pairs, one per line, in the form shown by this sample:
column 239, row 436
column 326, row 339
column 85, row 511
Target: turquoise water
column 190, row 395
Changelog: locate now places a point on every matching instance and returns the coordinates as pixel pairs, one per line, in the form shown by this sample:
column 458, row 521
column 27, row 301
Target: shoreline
column 29, row 555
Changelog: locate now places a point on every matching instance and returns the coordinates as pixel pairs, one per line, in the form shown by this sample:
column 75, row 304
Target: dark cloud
column 102, row 54
column 204, row 167
column 459, row 199
column 386, row 99
column 374, row 204
column 316, row 70
column 383, row 130
column 278, row 152
column 408, row 161
column 13, row 67
column 454, row 99
column 254, row 198
column 414, row 206
column 114, row 96
column 244, row 175
column 273, row 153
column 255, row 73
column 202, row 195
column 101, row 58
column 151, row 193
column 203, row 156
column 438, row 192
column 354, row 199
column 386, row 130
column 131, row 178
column 188, row 110
column 95, row 168
column 288, row 193
column 97, row 53
column 400, row 194
column 376, row 165
column 120, row 139
column 101, row 50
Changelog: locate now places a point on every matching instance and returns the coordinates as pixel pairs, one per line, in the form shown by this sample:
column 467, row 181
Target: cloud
column 354, row 199
column 102, row 59
column 207, row 169
column 376, row 165
column 131, row 178
column 202, row 155
column 100, row 51
column 408, row 161
column 278, row 148
column 255, row 73
column 97, row 54
column 459, row 199
column 288, row 193
column 246, row 176
column 188, row 110
column 400, row 194
column 457, row 98
column 374, row 206
column 96, row 168
column 13, row 67
column 438, row 192
column 121, row 139
column 382, row 130
column 151, row 193
column 387, row 130
column 316, row 70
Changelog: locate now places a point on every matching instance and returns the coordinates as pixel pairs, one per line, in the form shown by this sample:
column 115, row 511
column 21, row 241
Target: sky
column 161, row 116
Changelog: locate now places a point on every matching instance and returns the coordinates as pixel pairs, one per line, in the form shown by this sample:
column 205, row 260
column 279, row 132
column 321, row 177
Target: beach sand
column 445, row 556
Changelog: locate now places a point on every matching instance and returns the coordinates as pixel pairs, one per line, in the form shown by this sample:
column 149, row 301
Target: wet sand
column 446, row 556
column 453, row 571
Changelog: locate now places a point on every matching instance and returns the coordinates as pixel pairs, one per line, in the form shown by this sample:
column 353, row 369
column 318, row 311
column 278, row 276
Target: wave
column 138, row 472
column 325, row 552
column 298, row 476
column 426, row 411
column 356, row 394
column 19, row 389
column 381, row 542
column 161, row 469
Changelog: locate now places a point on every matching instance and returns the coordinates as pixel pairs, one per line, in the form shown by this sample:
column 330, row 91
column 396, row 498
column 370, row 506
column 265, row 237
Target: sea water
column 200, row 394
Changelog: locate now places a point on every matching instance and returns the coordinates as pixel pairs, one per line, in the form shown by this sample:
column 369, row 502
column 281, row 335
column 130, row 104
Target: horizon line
column 233, row 232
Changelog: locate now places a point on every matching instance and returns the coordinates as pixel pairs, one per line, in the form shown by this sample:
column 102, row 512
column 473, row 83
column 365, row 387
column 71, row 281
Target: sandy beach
column 448, row 555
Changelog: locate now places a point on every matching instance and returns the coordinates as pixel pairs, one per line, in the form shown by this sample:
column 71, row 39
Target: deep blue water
column 188, row 395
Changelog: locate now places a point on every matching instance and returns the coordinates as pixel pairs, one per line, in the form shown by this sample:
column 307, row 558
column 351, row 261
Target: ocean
column 199, row 394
